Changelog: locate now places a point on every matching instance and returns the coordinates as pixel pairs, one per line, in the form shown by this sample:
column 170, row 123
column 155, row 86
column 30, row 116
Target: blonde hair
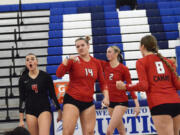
column 117, row 50
column 86, row 39
column 150, row 43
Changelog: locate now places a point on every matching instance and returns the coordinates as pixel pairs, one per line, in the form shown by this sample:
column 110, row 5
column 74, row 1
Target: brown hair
column 150, row 43
column 31, row 54
column 117, row 50
column 86, row 39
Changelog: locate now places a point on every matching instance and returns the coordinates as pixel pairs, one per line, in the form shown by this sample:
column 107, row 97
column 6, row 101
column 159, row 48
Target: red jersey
column 82, row 78
column 157, row 80
column 121, row 72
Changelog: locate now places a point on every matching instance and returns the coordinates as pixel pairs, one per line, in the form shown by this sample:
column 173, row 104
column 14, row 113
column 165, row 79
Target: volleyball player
column 78, row 100
column 35, row 87
column 158, row 78
column 114, row 71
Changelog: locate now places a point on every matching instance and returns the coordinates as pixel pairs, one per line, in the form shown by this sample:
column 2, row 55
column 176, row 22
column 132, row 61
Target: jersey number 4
column 89, row 71
column 160, row 67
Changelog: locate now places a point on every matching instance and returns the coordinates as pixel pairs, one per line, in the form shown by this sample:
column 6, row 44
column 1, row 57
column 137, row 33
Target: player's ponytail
column 87, row 38
column 120, row 58
column 150, row 43
column 167, row 64
column 117, row 50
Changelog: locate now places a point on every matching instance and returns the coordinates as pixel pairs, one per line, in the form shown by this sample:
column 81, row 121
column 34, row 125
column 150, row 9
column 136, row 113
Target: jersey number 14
column 89, row 71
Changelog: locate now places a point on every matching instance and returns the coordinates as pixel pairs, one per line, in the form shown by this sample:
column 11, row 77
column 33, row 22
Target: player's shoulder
column 148, row 60
column 23, row 76
column 96, row 60
column 123, row 67
column 143, row 60
column 41, row 72
column 44, row 75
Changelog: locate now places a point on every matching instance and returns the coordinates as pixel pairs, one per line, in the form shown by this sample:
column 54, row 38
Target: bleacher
column 50, row 29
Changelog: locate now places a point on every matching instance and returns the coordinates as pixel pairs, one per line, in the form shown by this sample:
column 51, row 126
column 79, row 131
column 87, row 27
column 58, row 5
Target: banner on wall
column 139, row 125
column 60, row 89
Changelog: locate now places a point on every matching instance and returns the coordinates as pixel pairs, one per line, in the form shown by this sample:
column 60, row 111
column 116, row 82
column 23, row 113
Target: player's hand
column 71, row 57
column 136, row 110
column 120, row 85
column 59, row 118
column 21, row 123
column 74, row 58
column 105, row 102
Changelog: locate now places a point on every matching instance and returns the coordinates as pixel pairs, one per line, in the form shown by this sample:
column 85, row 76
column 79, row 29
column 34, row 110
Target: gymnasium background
column 49, row 28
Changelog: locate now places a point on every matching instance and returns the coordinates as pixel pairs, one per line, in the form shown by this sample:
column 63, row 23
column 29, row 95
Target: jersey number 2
column 111, row 76
column 160, row 67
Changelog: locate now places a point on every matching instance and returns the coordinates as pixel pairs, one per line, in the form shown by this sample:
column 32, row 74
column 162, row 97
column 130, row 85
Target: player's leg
column 176, row 122
column 32, row 124
column 163, row 124
column 88, row 120
column 116, row 120
column 70, row 116
column 44, row 122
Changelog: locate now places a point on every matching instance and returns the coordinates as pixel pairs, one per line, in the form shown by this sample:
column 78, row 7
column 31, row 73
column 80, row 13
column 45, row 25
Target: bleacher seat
column 70, row 4
column 55, row 51
column 52, row 69
column 56, row 60
column 55, row 42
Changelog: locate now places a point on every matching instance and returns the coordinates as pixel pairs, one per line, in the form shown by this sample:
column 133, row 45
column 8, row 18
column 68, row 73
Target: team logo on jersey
column 34, row 88
column 26, row 81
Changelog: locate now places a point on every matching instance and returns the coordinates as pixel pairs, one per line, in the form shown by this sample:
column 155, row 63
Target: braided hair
column 150, row 43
